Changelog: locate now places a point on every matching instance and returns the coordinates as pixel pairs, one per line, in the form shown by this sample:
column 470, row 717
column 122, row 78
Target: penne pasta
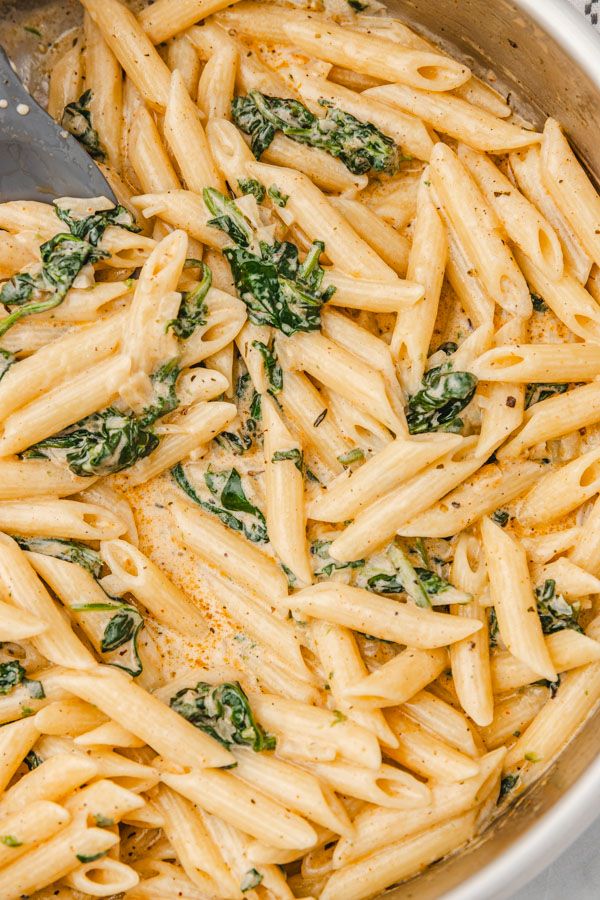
column 129, row 705
column 167, row 19
column 455, row 116
column 557, row 493
column 226, row 796
column 285, row 513
column 426, row 265
column 299, row 528
column 360, row 610
column 513, row 599
column 134, row 51
column 522, row 222
column 342, row 47
column 565, row 179
column 476, row 228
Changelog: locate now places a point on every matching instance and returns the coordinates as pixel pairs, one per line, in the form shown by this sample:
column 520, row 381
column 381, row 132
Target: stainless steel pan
column 548, row 58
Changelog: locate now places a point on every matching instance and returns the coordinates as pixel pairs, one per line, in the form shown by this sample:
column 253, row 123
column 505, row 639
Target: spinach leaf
column 443, row 393
column 320, row 550
column 123, row 628
column 222, row 711
column 240, row 441
column 251, row 880
column 77, row 120
column 71, row 551
column 494, row 631
column 7, row 359
column 112, row 440
column 352, row 456
column 252, row 186
column 541, row 391
column 357, row 6
column 539, row 304
column 119, row 630
column 359, row 145
column 101, row 444
column 32, row 760
column 193, row 312
column 228, row 217
column 237, row 443
column 277, row 197
column 406, row 575
column 272, row 367
column 500, row 517
column 83, row 858
column 507, row 784
column 277, row 289
column 294, row 455
column 63, row 257
column 421, row 584
column 11, row 674
column 164, row 399
column 554, row 611
column 101, row 821
column 91, row 228
column 10, row 840
column 227, row 488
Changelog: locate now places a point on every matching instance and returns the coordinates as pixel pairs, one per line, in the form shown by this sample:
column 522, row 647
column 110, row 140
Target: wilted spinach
column 192, row 311
column 554, row 611
column 32, row 760
column 277, row 197
column 112, row 440
column 251, row 880
column 494, row 631
column 7, row 359
column 252, row 186
column 442, row 394
column 226, row 487
column 11, row 674
column 240, row 441
column 539, row 304
column 359, row 145
column 421, row 584
column 105, row 442
column 71, row 551
column 507, row 784
column 541, row 391
column 164, row 399
column 223, row 711
column 91, row 228
column 272, row 368
column 77, row 120
column 63, row 258
column 320, row 550
column 500, row 517
column 120, row 629
column 276, row 287
column 293, row 455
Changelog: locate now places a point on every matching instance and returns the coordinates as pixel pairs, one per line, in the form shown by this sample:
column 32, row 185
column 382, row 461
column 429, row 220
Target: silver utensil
column 39, row 160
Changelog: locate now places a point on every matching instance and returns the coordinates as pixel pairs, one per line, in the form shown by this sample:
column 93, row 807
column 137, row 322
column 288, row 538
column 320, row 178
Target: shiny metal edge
column 555, row 811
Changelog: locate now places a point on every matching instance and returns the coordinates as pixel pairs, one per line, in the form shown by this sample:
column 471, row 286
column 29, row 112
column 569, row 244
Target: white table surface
column 576, row 874
column 573, row 876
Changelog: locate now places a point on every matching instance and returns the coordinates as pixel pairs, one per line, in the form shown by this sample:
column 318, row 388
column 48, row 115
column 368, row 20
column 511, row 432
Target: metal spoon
column 38, row 159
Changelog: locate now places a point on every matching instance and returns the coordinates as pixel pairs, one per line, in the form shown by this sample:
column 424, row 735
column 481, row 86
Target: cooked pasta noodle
column 299, row 517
